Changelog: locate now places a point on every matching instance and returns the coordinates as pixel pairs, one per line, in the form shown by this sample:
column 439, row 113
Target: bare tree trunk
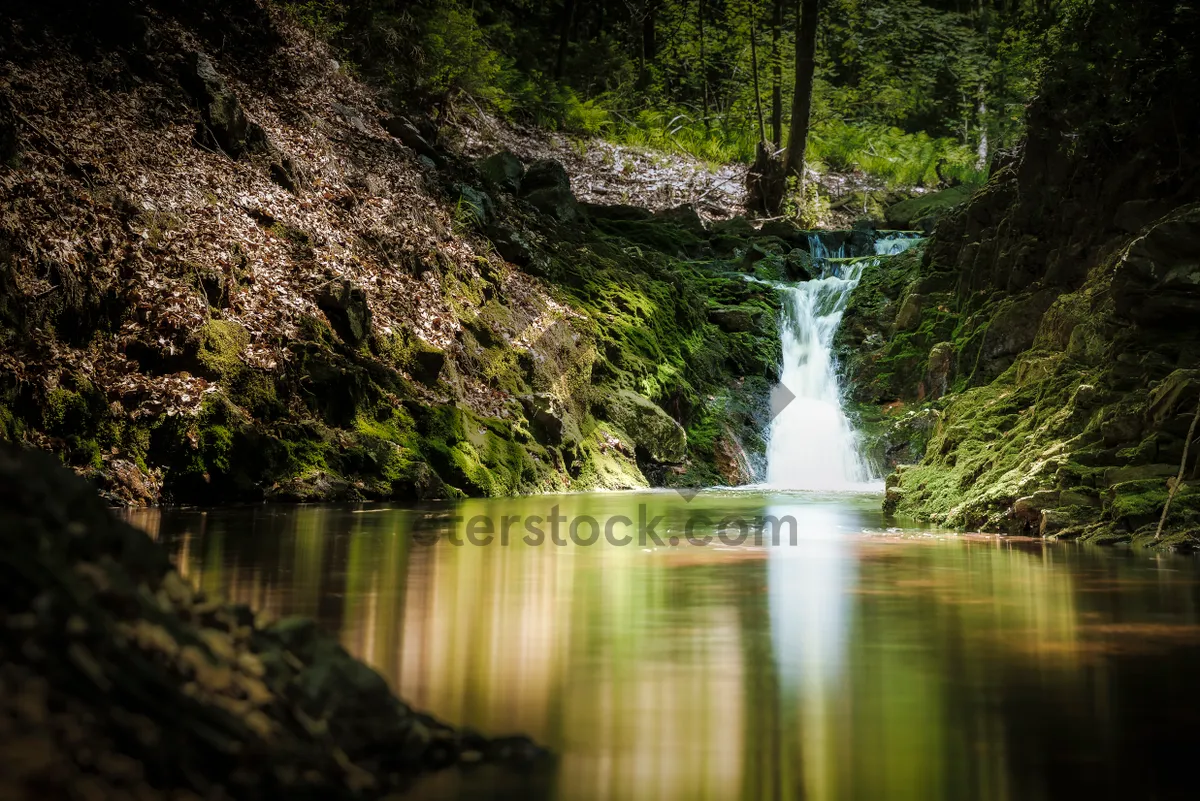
column 703, row 65
column 806, row 65
column 564, row 38
column 762, row 128
column 777, row 78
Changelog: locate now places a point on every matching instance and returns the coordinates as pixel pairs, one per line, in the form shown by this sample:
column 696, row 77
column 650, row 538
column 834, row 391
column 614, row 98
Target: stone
column 909, row 316
column 503, row 170
column 352, row 116
column 511, row 244
column 937, row 370
column 1052, row 522
column 799, row 265
column 617, row 211
column 1134, row 215
column 783, row 229
column 223, row 122
column 1119, row 475
column 923, row 211
column 475, row 204
column 685, row 217
column 347, row 309
column 737, row 226
column 403, row 129
column 655, row 432
column 427, row 365
column 734, row 319
column 547, row 188
column 1029, row 508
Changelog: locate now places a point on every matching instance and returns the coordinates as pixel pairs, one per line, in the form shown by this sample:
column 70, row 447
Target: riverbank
column 122, row 680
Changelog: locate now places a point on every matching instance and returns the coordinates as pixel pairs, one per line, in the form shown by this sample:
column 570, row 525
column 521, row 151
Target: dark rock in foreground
column 118, row 680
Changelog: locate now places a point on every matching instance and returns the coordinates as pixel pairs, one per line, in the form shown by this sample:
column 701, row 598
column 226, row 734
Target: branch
column 1179, row 478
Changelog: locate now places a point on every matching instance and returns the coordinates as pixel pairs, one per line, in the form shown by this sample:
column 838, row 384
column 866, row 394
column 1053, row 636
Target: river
column 854, row 661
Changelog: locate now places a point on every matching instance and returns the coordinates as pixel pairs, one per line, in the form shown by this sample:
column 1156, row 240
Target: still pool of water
column 857, row 662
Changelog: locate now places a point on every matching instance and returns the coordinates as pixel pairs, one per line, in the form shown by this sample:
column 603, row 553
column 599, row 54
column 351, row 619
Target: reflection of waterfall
column 812, row 443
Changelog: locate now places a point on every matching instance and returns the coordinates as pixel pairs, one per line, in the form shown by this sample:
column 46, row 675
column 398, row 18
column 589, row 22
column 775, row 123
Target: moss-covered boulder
column 503, row 170
column 923, row 211
column 655, row 432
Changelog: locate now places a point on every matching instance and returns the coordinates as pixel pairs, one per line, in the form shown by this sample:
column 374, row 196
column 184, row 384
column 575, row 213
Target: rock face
column 654, row 431
column 121, row 680
column 223, row 122
column 1057, row 331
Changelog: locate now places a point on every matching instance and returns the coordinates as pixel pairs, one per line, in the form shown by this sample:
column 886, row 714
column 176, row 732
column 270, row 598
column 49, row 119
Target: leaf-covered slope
column 230, row 271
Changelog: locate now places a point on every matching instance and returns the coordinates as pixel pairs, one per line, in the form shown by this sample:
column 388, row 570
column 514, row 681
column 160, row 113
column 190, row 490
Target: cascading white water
column 812, row 444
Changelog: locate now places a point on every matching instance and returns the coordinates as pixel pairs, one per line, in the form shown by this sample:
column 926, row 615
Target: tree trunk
column 564, row 38
column 806, row 64
column 777, row 77
column 762, row 128
column 703, row 65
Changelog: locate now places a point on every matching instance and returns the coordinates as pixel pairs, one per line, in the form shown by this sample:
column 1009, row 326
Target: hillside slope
column 1040, row 361
column 230, row 271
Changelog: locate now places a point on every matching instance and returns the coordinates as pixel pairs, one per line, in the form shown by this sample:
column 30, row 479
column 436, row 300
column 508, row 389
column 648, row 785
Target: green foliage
column 912, row 92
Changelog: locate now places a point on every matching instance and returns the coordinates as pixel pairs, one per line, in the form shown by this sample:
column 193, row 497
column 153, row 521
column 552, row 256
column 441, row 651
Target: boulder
column 427, row 365
column 655, row 432
column 503, row 170
column 347, row 309
column 547, row 188
column 1030, row 507
column 735, row 226
column 511, row 244
column 685, row 217
column 782, row 229
column 1119, row 475
column 475, row 204
column 403, row 129
column 922, row 212
column 618, row 211
column 223, row 122
column 734, row 319
column 909, row 316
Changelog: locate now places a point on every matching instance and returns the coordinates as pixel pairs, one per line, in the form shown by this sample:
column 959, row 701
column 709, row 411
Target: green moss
column 219, row 349
column 922, row 210
column 65, row 413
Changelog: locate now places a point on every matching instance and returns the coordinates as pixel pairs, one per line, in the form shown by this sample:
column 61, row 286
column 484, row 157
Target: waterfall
column 812, row 444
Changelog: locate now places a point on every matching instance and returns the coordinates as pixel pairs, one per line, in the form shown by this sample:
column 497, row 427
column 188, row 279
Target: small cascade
column 812, row 444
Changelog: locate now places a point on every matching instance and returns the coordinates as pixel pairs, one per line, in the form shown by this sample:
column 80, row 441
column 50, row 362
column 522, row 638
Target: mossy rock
column 921, row 212
column 503, row 170
column 219, row 348
column 654, row 431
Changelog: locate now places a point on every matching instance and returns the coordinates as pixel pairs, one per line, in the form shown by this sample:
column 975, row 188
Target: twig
column 1179, row 478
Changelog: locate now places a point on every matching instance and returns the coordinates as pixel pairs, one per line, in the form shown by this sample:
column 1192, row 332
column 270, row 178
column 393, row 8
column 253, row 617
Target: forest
column 737, row 398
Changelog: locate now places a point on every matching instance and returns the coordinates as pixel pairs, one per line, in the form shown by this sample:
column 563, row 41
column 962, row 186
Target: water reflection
column 841, row 666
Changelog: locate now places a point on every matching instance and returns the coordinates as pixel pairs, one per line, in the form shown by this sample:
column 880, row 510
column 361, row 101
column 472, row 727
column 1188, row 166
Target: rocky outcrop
column 122, row 680
column 1052, row 319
